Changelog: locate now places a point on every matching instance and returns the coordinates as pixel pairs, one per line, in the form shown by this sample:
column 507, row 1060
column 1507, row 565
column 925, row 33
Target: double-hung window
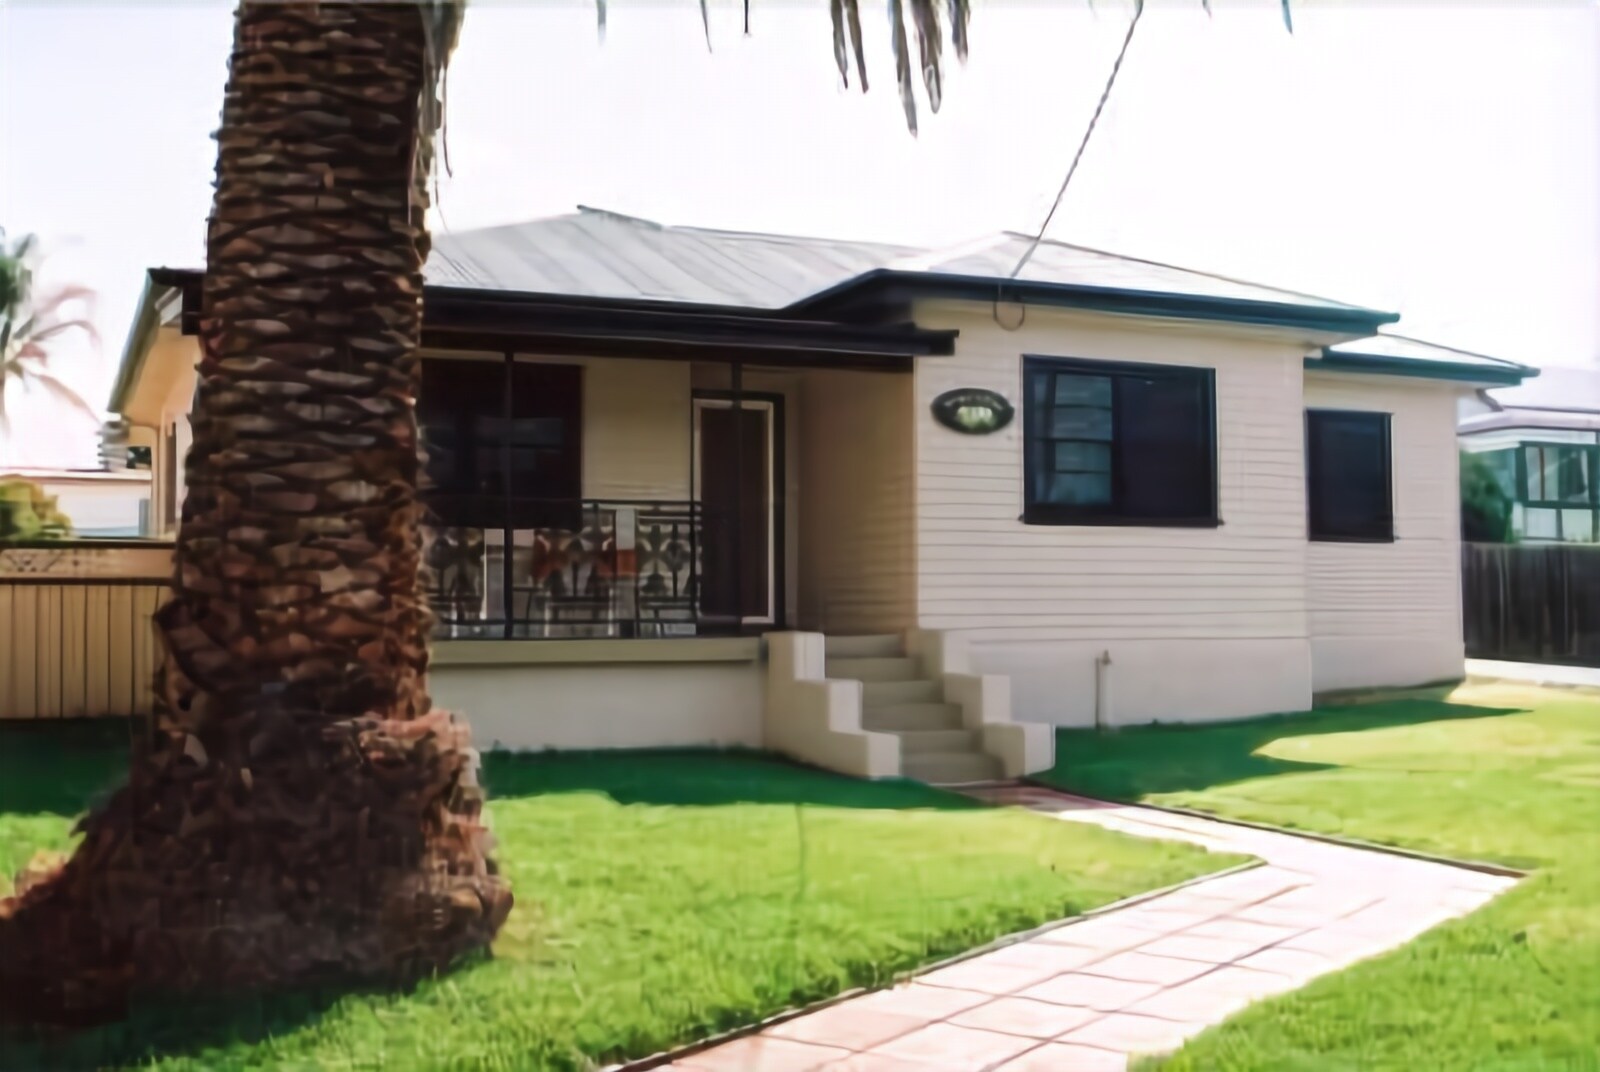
column 1348, row 484
column 1119, row 444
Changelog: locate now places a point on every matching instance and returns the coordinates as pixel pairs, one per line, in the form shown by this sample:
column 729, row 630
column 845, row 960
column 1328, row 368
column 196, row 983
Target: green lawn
column 660, row 897
column 1501, row 773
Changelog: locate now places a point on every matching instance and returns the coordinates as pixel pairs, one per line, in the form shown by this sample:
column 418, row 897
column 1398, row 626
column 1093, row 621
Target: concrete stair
column 898, row 698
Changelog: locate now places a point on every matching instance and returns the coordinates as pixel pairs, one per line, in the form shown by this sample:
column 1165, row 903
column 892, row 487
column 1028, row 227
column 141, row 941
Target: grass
column 661, row 897
column 1498, row 773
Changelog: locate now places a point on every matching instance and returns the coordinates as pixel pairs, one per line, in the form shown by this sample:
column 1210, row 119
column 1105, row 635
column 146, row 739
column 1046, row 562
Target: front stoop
column 886, row 706
column 953, row 728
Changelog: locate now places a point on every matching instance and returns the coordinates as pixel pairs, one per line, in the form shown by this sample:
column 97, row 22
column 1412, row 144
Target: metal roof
column 1064, row 264
column 1407, row 356
column 598, row 254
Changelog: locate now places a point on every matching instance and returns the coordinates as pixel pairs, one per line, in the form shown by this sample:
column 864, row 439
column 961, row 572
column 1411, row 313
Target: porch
column 590, row 489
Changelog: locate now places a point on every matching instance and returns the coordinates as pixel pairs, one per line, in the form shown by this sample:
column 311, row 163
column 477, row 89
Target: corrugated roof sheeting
column 1385, row 345
column 1062, row 263
column 597, row 254
column 600, row 254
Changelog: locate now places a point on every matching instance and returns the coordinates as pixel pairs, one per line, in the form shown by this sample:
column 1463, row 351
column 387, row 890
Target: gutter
column 1498, row 374
column 1345, row 320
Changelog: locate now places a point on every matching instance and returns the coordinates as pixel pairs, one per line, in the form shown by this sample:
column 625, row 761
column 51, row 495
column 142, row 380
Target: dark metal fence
column 1528, row 603
column 575, row 568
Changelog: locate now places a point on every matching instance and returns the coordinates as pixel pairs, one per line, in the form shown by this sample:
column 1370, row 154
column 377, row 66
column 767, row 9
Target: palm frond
column 852, row 10
column 929, row 46
column 840, row 56
column 902, row 62
column 1288, row 20
column 960, row 11
column 54, row 386
column 705, row 22
column 29, row 322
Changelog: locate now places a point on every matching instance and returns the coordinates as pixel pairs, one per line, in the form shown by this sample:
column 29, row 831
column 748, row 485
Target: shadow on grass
column 59, row 767
column 1129, row 763
column 699, row 778
column 179, row 1026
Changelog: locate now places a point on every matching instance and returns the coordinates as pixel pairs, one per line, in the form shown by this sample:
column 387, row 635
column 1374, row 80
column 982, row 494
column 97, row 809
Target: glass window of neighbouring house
column 1118, row 444
column 1348, row 483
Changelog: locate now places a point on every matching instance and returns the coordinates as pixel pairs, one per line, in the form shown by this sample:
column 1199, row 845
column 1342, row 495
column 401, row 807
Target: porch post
column 507, row 575
column 737, row 531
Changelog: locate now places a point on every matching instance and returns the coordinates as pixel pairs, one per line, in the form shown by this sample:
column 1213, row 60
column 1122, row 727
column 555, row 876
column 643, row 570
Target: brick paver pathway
column 1138, row 980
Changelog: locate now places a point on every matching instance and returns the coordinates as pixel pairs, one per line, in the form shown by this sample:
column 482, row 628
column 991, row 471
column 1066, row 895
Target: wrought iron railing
column 545, row 568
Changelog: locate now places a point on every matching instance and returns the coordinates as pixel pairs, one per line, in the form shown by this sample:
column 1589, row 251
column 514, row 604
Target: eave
column 1487, row 375
column 891, row 288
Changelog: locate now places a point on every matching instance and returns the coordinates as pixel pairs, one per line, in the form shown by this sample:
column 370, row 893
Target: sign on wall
column 973, row 410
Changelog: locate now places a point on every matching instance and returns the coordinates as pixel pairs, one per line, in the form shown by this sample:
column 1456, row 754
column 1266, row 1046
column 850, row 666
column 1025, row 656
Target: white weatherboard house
column 705, row 487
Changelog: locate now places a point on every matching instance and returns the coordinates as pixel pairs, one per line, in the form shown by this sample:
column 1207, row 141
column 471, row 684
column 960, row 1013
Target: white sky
column 1441, row 160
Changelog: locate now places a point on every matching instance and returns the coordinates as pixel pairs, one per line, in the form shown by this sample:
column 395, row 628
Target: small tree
column 1485, row 504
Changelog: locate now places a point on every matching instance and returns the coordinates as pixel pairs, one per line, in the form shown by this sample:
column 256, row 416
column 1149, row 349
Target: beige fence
column 76, row 637
column 77, row 649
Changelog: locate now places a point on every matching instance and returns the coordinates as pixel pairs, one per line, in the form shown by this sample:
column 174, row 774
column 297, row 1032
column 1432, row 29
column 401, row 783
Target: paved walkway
column 1535, row 673
column 1086, row 996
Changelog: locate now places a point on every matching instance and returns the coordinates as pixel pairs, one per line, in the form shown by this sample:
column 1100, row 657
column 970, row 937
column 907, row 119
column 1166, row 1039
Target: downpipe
column 1102, row 692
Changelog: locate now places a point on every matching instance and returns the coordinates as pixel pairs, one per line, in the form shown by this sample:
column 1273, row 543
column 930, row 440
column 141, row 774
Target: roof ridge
column 1192, row 271
column 593, row 211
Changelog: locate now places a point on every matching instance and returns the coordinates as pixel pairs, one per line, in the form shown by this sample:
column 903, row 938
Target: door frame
column 777, row 485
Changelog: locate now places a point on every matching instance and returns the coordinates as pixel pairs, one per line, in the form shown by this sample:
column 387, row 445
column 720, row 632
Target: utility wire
column 1077, row 158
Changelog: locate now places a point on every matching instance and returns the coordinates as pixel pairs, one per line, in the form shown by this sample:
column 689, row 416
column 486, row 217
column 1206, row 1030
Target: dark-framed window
column 1113, row 443
column 1349, row 475
column 503, row 441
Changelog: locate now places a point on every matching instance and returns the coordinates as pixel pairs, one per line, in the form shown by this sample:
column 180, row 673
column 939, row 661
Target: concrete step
column 950, row 768
column 885, row 645
column 900, row 718
column 874, row 669
column 917, row 741
column 884, row 693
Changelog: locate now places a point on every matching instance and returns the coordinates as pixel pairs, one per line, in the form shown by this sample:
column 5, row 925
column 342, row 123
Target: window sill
column 1060, row 521
column 1352, row 539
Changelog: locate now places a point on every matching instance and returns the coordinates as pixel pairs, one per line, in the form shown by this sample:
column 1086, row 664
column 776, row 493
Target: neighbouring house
column 98, row 502
column 891, row 510
column 1541, row 439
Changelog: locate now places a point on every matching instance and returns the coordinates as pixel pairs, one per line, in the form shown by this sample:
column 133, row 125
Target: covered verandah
column 613, row 470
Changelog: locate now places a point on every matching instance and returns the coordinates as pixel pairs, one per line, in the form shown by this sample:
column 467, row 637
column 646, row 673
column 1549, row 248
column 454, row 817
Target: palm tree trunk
column 298, row 809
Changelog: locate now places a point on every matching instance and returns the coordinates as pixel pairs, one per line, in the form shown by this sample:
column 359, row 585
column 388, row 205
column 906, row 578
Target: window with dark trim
column 1348, row 481
column 1119, row 444
column 502, row 441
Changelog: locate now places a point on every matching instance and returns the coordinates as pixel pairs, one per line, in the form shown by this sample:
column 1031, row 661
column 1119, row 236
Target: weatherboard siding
column 1390, row 613
column 856, row 553
column 1198, row 622
column 980, row 568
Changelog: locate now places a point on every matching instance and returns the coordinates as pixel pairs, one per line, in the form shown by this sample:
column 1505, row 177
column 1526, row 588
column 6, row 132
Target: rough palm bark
column 298, row 809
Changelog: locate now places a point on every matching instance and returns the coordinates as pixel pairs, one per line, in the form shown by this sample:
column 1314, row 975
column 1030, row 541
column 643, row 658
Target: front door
column 737, row 476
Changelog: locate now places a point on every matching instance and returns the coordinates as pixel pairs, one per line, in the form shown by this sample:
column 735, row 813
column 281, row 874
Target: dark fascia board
column 448, row 310
column 1499, row 375
column 893, row 285
column 507, row 313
